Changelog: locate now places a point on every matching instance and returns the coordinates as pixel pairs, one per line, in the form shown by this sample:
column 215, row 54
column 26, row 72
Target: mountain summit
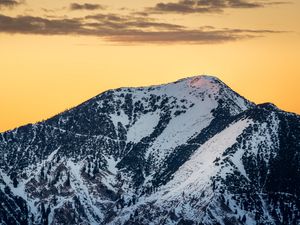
column 189, row 152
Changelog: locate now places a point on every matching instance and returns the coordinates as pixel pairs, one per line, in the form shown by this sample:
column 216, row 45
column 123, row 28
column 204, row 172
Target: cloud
column 9, row 3
column 115, row 21
column 206, row 6
column 125, row 29
column 85, row 6
column 198, row 36
column 38, row 25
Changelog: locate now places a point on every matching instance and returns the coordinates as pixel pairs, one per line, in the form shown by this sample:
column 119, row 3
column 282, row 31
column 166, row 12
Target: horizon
column 59, row 54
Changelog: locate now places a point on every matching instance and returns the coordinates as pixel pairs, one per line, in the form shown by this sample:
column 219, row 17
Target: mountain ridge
column 135, row 156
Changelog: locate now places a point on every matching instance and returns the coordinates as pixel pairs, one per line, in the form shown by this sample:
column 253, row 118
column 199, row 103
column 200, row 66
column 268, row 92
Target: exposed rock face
column 189, row 152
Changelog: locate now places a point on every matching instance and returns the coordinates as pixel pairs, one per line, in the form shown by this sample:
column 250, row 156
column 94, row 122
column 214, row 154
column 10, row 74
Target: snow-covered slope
column 193, row 151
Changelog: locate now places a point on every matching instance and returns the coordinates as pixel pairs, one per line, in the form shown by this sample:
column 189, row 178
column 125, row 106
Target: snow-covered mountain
column 188, row 152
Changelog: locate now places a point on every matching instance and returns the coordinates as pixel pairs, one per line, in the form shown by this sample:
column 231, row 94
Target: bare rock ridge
column 189, row 152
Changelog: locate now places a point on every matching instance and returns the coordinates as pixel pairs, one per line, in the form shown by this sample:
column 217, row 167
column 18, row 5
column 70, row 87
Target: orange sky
column 44, row 72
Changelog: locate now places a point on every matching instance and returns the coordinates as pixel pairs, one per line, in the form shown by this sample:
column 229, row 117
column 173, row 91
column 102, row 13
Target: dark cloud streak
column 85, row 6
column 9, row 3
column 125, row 29
column 207, row 6
column 117, row 21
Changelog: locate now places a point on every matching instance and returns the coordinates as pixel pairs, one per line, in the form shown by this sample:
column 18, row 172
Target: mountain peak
column 187, row 152
column 200, row 79
column 192, row 86
column 203, row 81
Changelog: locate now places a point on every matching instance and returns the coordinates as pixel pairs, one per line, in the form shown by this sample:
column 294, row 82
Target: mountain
column 189, row 152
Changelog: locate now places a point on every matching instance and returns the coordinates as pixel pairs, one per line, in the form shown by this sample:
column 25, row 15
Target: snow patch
column 143, row 127
column 194, row 175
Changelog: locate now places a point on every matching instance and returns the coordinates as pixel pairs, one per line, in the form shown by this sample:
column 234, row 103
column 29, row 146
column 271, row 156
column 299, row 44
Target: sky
column 56, row 54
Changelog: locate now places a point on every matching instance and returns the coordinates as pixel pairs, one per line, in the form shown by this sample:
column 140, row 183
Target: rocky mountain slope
column 189, row 152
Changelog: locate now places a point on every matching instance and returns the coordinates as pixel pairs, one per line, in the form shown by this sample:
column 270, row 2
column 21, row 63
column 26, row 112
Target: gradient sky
column 57, row 54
